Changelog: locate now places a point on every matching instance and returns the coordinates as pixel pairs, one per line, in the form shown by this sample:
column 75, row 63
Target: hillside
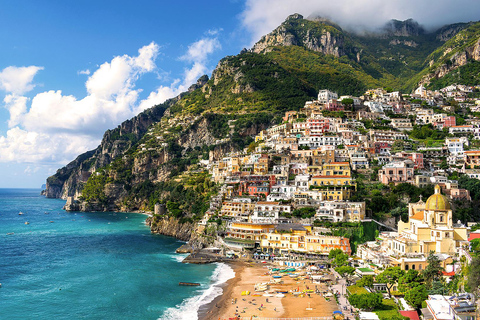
column 143, row 160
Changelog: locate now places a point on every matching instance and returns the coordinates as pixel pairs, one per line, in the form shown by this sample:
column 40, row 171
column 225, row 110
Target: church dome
column 437, row 201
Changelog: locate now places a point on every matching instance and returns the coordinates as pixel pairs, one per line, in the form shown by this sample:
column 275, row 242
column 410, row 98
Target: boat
column 261, row 287
column 268, row 295
column 245, row 293
column 277, row 277
column 20, row 213
column 26, row 222
column 188, row 284
column 10, row 233
column 280, row 295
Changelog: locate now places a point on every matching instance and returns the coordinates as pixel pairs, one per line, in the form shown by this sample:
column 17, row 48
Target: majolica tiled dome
column 437, row 201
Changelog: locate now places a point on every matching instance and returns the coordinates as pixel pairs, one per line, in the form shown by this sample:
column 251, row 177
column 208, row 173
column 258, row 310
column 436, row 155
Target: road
column 341, row 288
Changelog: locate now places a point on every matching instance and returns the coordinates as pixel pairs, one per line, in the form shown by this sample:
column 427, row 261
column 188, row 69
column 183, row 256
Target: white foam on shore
column 188, row 309
column 179, row 257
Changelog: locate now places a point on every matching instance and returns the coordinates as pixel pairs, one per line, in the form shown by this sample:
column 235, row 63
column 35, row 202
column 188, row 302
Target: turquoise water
column 67, row 265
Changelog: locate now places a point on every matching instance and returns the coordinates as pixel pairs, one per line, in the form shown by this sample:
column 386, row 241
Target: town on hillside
column 379, row 187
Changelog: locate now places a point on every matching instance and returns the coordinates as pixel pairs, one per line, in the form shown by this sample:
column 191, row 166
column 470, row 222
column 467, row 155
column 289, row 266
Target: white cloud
column 262, row 16
column 18, row 80
column 17, row 106
column 86, row 72
column 198, row 51
column 55, row 127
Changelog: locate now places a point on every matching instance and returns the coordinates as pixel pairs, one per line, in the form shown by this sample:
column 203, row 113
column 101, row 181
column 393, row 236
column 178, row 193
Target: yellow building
column 295, row 238
column 337, row 168
column 430, row 227
column 261, row 166
column 237, row 209
column 245, row 234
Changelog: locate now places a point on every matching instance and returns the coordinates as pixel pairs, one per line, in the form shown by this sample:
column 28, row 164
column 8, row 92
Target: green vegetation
column 356, row 232
column 94, row 189
column 388, row 310
column 468, row 74
column 366, row 301
column 357, row 289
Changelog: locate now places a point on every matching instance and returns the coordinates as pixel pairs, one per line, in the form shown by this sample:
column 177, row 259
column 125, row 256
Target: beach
column 300, row 304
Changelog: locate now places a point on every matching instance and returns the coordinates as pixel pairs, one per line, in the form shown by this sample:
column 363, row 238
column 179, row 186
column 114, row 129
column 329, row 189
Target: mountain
column 143, row 161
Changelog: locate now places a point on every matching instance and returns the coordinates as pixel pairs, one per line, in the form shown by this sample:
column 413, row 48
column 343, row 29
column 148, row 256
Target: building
column 245, row 235
column 460, row 307
column 269, row 211
column 402, row 124
column 472, row 159
column 296, row 238
column 325, row 95
column 239, row 209
column 430, row 227
column 338, row 211
column 397, row 172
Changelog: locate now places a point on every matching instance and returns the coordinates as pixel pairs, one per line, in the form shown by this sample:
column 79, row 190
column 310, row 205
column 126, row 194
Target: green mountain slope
column 143, row 161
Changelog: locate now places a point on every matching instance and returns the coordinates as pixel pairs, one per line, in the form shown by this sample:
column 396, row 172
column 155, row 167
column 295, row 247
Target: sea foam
column 188, row 309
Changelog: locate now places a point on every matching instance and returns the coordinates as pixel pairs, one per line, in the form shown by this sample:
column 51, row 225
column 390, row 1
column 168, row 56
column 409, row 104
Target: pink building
column 317, row 126
column 416, row 158
column 397, row 172
column 334, row 105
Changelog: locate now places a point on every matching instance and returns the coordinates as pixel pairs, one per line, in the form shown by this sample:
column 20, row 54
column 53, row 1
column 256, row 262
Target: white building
column 268, row 212
column 325, row 95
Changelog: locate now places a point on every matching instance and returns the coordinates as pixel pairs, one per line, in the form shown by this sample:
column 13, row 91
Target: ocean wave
column 178, row 256
column 188, row 309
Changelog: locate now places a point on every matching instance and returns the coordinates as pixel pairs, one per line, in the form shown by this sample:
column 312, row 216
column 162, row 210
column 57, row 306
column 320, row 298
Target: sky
column 69, row 70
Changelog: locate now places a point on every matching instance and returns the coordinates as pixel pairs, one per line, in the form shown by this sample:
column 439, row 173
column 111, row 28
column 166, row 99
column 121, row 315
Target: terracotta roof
column 413, row 315
column 418, row 216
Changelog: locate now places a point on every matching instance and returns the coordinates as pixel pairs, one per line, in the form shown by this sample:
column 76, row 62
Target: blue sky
column 69, row 70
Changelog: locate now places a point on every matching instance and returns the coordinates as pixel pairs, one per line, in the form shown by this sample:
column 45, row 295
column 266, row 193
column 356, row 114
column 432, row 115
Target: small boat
column 245, row 293
column 188, row 284
column 26, row 222
column 277, row 277
column 280, row 295
column 268, row 295
column 20, row 213
column 10, row 233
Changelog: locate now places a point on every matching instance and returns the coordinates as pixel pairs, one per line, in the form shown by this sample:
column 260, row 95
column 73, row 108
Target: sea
column 75, row 265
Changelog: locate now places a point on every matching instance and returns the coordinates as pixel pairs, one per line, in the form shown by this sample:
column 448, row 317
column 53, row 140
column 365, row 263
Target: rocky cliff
column 69, row 180
column 459, row 50
column 295, row 31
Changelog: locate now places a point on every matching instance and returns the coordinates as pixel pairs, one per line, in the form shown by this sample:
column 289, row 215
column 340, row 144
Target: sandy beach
column 231, row 302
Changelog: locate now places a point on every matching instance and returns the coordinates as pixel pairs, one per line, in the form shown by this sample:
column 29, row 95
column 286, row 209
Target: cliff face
column 296, row 31
column 69, row 180
column 182, row 231
column 458, row 51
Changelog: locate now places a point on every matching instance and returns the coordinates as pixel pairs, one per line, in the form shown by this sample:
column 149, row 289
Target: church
column 429, row 228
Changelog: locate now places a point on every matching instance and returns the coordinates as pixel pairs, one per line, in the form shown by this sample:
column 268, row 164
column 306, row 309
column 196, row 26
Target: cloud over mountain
column 262, row 16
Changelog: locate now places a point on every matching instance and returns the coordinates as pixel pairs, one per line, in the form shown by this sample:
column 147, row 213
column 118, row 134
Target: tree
column 345, row 270
column 438, row 287
column 366, row 281
column 410, row 280
column 366, row 301
column 416, row 296
column 433, row 271
column 338, row 257
column 474, row 275
column 390, row 277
